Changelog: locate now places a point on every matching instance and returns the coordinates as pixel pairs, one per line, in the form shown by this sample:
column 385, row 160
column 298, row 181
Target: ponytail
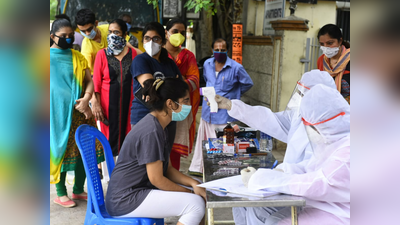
column 160, row 91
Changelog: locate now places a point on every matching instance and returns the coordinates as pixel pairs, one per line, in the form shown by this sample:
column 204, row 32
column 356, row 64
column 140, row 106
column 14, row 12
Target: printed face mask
column 180, row 116
column 221, row 56
column 176, row 40
column 65, row 43
column 152, row 48
column 116, row 44
column 330, row 52
column 91, row 35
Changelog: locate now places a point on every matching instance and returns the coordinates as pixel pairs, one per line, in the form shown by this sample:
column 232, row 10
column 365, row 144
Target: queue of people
column 147, row 103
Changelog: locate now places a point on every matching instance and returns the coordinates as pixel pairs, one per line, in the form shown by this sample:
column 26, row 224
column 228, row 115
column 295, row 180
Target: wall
column 293, row 50
column 319, row 14
column 257, row 60
column 253, row 7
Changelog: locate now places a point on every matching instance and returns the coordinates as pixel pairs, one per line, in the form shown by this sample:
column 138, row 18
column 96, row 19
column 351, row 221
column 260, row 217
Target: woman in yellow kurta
column 71, row 88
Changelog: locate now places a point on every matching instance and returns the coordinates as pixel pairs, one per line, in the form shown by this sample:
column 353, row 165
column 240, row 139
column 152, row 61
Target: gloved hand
column 223, row 103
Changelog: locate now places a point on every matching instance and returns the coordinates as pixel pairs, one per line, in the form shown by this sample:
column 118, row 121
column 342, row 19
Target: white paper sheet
column 235, row 185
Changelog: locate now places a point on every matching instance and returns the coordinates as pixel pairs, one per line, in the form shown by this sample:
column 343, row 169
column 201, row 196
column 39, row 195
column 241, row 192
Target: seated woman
column 144, row 183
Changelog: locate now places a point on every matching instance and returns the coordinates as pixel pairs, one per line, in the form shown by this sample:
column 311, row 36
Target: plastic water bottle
column 263, row 142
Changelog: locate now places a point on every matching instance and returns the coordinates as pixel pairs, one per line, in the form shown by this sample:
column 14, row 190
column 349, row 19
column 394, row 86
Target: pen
column 276, row 162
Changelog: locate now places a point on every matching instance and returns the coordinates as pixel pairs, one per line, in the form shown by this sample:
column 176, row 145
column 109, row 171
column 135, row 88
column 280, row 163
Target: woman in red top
column 336, row 57
column 187, row 64
column 113, row 85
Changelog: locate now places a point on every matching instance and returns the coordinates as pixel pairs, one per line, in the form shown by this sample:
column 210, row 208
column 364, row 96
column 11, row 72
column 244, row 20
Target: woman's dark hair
column 62, row 16
column 57, row 25
column 122, row 25
column 334, row 32
column 174, row 21
column 172, row 88
column 157, row 27
column 220, row 40
column 85, row 16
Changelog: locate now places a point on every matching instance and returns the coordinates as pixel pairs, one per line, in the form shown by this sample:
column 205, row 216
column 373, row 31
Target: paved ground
column 76, row 215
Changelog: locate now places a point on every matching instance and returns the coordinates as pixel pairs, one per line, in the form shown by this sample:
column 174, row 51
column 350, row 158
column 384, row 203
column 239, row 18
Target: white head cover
column 314, row 77
column 322, row 103
column 307, row 81
column 326, row 116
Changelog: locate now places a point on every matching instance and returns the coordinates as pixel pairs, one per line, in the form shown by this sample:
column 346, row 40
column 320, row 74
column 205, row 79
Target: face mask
column 152, row 48
column 116, row 44
column 129, row 26
column 91, row 35
column 330, row 52
column 65, row 43
column 176, row 39
column 221, row 56
column 180, row 116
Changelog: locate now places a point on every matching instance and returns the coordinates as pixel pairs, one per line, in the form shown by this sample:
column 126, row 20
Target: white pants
column 206, row 130
column 161, row 204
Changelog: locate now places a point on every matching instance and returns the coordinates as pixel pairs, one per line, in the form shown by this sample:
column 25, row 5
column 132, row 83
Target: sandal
column 67, row 204
column 81, row 196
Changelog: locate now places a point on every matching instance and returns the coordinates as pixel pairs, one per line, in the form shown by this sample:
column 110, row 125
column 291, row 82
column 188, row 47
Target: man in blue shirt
column 231, row 81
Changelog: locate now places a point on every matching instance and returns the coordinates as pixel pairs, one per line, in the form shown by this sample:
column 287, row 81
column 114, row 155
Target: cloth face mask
column 220, row 56
column 65, row 43
column 180, row 116
column 152, row 48
column 330, row 52
column 176, row 40
column 116, row 44
column 91, row 35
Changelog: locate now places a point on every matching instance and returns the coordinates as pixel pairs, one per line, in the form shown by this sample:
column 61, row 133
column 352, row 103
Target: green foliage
column 198, row 5
column 153, row 2
column 53, row 9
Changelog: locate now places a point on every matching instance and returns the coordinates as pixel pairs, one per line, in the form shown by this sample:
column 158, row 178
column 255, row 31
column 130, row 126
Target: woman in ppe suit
column 326, row 183
column 285, row 125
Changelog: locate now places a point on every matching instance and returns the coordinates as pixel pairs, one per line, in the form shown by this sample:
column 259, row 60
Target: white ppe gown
column 326, row 182
column 282, row 126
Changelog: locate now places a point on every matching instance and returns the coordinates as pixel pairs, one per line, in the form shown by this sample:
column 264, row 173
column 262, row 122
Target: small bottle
column 263, row 142
column 229, row 134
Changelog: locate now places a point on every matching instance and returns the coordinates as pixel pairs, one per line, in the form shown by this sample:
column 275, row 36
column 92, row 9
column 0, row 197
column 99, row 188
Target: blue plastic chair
column 96, row 212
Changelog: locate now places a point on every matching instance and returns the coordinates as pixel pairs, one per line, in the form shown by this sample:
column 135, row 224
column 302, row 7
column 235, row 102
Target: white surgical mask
column 152, row 48
column 92, row 34
column 330, row 52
